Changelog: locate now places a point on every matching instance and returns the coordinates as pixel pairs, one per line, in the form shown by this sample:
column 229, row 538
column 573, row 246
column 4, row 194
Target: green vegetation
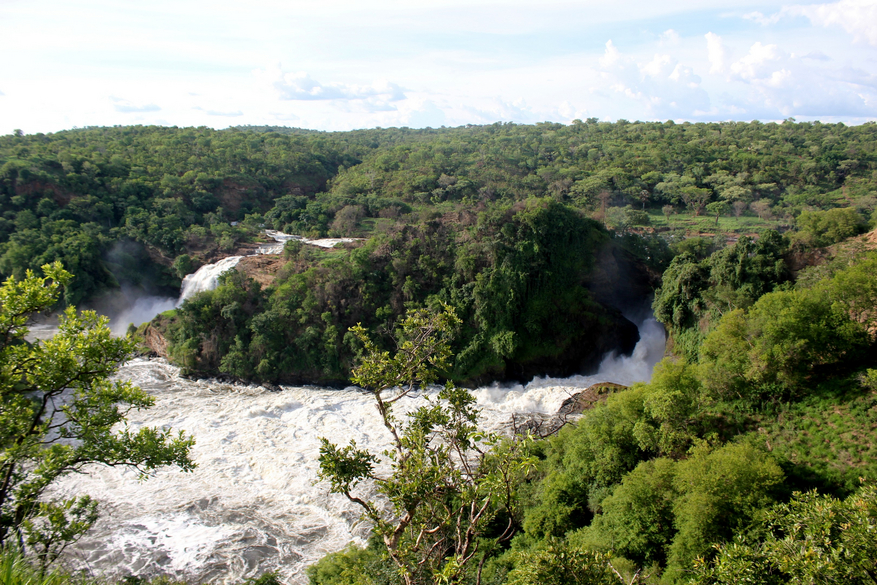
column 812, row 539
column 449, row 482
column 57, row 413
column 517, row 275
column 694, row 292
column 75, row 195
column 522, row 232
column 707, row 473
column 449, row 214
column 823, row 228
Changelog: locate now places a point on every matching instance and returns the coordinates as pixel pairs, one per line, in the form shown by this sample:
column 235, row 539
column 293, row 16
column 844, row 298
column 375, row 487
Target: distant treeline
column 73, row 195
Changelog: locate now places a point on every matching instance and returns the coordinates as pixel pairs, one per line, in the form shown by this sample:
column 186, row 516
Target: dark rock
column 155, row 341
column 597, row 335
column 587, row 398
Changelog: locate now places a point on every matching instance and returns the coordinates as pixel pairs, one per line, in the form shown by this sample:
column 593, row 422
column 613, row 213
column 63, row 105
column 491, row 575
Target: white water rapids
column 253, row 503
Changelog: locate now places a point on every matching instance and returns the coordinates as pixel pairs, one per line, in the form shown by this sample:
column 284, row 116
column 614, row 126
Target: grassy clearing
column 826, row 437
column 689, row 223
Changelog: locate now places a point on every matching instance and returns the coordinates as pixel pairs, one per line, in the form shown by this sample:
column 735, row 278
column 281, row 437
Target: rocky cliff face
column 153, row 339
column 620, row 279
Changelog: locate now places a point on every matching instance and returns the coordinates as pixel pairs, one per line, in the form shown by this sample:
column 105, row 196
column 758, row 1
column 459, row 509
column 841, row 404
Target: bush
column 771, row 349
column 823, row 228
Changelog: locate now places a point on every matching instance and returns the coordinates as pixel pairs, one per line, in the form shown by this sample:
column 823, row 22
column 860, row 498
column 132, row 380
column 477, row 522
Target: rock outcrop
column 263, row 268
column 153, row 340
column 569, row 411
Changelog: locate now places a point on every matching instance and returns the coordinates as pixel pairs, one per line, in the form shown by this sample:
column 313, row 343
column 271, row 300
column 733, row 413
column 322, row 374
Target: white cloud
column 611, row 56
column 782, row 84
column 857, row 17
column 234, row 114
column 762, row 19
column 662, row 87
column 537, row 62
column 757, row 64
column 426, row 115
column 125, row 107
column 301, row 86
column 816, row 56
column 669, row 38
column 685, row 75
column 715, row 52
column 657, row 67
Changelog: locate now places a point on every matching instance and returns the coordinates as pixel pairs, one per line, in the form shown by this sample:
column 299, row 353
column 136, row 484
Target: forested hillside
column 749, row 459
column 535, row 234
column 73, row 195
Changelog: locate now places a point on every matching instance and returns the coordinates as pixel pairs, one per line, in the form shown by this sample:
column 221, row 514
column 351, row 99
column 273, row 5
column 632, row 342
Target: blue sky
column 339, row 65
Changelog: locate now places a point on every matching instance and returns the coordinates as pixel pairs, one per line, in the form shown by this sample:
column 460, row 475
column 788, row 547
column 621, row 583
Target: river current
column 254, row 504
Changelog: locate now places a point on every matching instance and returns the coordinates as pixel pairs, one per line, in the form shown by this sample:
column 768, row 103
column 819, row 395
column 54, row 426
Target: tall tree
column 58, row 409
column 448, row 480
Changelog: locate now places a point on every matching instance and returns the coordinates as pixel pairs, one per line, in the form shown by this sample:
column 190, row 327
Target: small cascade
column 282, row 238
column 206, row 277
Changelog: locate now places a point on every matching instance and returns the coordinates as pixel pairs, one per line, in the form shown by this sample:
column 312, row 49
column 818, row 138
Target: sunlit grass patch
column 832, row 436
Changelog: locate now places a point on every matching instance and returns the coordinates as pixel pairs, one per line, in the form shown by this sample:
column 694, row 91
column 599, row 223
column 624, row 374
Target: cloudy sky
column 339, row 64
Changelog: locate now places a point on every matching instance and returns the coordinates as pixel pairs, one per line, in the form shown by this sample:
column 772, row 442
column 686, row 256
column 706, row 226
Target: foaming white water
column 282, row 238
column 253, row 503
column 545, row 395
column 205, row 278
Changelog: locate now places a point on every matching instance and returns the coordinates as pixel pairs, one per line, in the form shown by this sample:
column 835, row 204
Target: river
column 253, row 504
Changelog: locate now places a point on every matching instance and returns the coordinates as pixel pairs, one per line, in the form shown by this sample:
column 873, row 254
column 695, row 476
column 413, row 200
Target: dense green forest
column 75, row 195
column 506, row 222
column 536, row 237
column 521, row 276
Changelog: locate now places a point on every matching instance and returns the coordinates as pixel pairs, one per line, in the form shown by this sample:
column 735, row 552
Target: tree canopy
column 58, row 410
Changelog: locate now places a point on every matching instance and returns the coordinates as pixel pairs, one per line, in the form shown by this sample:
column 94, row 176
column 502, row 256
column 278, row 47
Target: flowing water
column 282, row 238
column 140, row 309
column 205, row 278
column 253, row 503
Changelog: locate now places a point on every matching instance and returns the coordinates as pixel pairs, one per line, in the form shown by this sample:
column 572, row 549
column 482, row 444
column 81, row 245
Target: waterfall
column 143, row 309
column 282, row 238
column 206, row 277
